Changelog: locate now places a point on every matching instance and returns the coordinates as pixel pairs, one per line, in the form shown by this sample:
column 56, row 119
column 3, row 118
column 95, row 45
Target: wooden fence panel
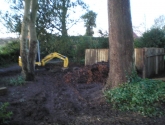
column 139, row 59
column 148, row 61
column 95, row 55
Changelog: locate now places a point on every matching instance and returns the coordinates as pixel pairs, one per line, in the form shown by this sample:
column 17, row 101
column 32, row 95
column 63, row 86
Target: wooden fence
column 95, row 55
column 148, row 61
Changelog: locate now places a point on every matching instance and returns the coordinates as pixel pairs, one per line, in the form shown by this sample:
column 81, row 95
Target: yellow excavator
column 47, row 58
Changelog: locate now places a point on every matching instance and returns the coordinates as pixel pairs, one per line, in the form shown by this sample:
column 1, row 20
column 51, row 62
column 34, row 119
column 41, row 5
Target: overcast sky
column 143, row 12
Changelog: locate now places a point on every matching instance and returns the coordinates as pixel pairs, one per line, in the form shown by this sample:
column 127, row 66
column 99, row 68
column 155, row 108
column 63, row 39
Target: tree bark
column 24, row 41
column 120, row 41
column 63, row 19
column 33, row 41
column 29, row 47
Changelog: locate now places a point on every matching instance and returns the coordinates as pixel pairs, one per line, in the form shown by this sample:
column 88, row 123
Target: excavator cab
column 47, row 58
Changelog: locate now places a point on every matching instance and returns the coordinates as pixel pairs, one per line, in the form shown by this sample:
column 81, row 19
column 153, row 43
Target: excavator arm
column 53, row 55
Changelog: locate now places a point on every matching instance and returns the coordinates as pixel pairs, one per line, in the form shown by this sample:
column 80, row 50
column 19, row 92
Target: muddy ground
column 71, row 97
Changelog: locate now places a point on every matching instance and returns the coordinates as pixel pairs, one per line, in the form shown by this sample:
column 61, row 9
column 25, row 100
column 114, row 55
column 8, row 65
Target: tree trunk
column 64, row 30
column 63, row 19
column 24, row 41
column 28, row 50
column 120, row 41
column 33, row 41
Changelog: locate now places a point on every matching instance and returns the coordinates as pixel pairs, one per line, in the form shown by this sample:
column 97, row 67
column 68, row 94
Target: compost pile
column 88, row 74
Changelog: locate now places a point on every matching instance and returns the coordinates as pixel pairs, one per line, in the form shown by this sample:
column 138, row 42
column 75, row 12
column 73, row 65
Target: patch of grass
column 144, row 96
column 16, row 81
column 4, row 114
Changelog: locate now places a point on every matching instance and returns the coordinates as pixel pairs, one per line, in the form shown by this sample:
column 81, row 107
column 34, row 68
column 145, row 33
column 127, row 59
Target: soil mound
column 88, row 74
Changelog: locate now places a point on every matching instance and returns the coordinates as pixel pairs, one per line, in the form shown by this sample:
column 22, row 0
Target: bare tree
column 159, row 22
column 28, row 47
column 120, row 41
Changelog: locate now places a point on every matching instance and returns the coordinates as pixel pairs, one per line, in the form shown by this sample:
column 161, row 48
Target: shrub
column 72, row 47
column 78, row 52
column 138, row 43
column 4, row 114
column 55, row 44
column 10, row 52
column 146, row 97
column 153, row 38
column 79, row 44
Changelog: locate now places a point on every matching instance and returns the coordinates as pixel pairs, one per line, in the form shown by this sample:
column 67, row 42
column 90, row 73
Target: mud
column 72, row 97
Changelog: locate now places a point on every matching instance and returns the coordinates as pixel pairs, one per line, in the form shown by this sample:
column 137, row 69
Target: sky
column 143, row 13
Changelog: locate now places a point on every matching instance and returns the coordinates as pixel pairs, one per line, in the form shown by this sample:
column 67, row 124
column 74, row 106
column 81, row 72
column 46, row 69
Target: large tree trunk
column 28, row 50
column 120, row 41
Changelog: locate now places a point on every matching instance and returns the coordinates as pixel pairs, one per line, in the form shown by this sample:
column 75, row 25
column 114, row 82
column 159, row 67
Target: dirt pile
column 88, row 74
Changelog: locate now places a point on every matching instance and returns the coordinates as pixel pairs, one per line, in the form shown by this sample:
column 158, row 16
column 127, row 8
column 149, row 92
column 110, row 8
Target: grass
column 13, row 81
column 4, row 114
column 17, row 81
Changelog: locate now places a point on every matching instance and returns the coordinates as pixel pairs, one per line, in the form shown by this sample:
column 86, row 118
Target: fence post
column 144, row 63
column 157, row 66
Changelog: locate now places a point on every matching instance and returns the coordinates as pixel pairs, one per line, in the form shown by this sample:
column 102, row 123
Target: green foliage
column 89, row 22
column 152, row 38
column 72, row 47
column 55, row 16
column 11, row 47
column 4, row 114
column 59, row 44
column 16, row 81
column 138, row 43
column 144, row 96
column 87, row 42
column 133, row 77
column 9, row 52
